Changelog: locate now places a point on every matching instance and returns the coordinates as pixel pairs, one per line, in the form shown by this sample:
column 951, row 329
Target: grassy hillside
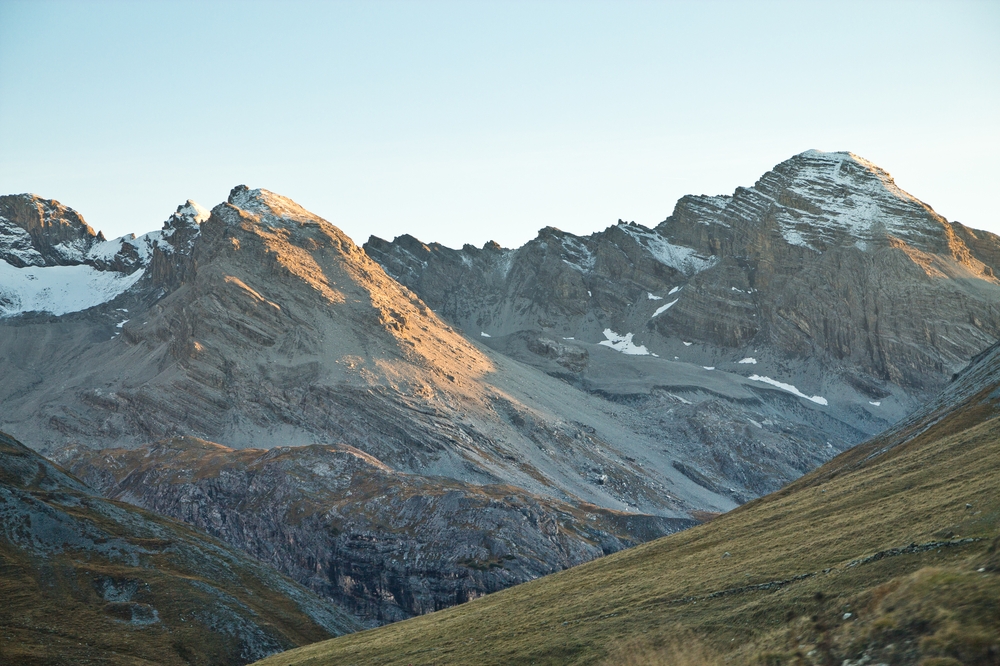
column 889, row 552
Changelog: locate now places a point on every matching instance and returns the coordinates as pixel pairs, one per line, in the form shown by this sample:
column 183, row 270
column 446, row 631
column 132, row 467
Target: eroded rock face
column 384, row 544
column 830, row 259
column 42, row 232
column 91, row 579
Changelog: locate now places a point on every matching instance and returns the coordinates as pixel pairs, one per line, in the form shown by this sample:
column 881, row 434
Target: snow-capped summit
column 817, row 198
column 190, row 211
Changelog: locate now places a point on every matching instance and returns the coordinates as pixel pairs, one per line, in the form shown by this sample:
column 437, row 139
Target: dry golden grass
column 938, row 486
column 687, row 650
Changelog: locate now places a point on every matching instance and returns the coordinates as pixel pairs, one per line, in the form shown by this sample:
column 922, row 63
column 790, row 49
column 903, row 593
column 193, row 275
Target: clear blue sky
column 469, row 121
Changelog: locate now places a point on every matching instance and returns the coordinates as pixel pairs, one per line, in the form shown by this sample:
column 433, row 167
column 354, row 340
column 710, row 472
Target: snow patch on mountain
column 819, row 400
column 663, row 308
column 58, row 289
column 623, row 343
column 579, row 255
column 143, row 245
column 678, row 257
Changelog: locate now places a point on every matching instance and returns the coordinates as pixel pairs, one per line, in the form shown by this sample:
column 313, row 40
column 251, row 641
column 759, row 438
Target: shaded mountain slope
column 88, row 580
column 888, row 554
column 385, row 544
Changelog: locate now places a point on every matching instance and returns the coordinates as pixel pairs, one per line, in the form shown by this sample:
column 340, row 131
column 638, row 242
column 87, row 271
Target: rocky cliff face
column 86, row 579
column 42, row 232
column 386, row 545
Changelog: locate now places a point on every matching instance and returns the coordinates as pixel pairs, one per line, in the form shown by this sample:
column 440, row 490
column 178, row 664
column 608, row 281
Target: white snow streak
column 819, row 400
column 748, row 360
column 678, row 257
column 663, row 308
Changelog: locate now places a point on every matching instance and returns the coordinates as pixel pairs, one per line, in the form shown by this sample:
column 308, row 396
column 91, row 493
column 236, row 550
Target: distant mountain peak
column 192, row 211
column 818, row 200
column 271, row 208
column 845, row 167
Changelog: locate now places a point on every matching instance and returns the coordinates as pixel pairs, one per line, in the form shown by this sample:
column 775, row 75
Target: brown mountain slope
column 88, row 580
column 887, row 554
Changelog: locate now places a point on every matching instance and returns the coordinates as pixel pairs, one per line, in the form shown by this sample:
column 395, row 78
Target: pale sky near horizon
column 462, row 122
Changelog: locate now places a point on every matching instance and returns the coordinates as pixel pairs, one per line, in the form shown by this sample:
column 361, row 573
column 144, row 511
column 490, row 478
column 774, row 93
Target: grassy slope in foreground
column 776, row 581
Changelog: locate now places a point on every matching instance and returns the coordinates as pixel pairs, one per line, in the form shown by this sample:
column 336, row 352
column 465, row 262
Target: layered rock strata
column 386, row 545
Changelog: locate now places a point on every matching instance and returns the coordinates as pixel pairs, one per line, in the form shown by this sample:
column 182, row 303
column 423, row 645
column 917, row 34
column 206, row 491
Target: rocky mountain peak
column 42, row 232
column 188, row 214
column 169, row 250
column 270, row 208
column 822, row 200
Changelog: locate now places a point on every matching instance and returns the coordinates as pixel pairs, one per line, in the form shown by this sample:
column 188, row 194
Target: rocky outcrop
column 42, row 232
column 171, row 257
column 384, row 544
column 86, row 579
